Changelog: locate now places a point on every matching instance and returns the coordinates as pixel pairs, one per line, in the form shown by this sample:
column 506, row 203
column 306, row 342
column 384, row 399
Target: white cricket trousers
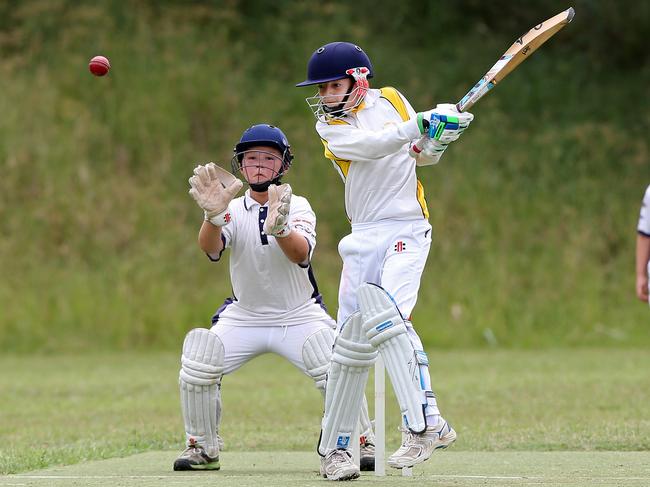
column 391, row 253
column 243, row 343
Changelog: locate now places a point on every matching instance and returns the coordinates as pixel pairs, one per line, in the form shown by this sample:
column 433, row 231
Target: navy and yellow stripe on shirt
column 342, row 164
column 389, row 93
column 392, row 96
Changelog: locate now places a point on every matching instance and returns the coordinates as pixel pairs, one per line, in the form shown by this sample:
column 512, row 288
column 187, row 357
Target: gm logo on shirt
column 384, row 325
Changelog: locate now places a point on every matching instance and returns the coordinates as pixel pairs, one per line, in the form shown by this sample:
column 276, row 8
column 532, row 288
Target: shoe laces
column 414, row 439
column 410, row 439
column 340, row 457
column 409, row 434
column 194, row 446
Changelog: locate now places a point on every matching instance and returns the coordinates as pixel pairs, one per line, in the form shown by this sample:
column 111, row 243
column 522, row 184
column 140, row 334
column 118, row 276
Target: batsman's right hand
column 213, row 188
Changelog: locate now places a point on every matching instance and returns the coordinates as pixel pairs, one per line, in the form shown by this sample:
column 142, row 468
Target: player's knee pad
column 351, row 346
column 202, row 364
column 381, row 318
column 203, row 357
column 352, row 357
column 385, row 328
column 317, row 353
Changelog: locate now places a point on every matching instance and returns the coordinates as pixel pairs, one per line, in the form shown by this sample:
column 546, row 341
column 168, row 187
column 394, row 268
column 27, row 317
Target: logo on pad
column 342, row 442
column 384, row 325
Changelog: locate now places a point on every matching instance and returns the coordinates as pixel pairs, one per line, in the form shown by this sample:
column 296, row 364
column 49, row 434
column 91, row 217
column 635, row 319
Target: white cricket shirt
column 268, row 289
column 369, row 148
column 644, row 217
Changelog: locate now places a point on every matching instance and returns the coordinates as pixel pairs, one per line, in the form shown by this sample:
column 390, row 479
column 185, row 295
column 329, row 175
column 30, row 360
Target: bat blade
column 521, row 49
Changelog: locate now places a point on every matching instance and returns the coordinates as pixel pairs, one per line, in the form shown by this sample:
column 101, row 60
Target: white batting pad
column 351, row 359
column 201, row 371
column 317, row 353
column 385, row 329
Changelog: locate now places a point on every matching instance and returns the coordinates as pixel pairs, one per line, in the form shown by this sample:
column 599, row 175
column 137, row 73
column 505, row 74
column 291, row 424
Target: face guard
column 325, row 113
column 260, row 168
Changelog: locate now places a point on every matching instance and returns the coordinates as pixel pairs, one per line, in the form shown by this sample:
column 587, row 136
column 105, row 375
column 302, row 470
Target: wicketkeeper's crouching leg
column 200, row 376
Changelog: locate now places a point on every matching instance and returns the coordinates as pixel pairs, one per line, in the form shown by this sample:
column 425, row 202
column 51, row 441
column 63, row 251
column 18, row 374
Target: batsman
column 375, row 140
column 276, row 306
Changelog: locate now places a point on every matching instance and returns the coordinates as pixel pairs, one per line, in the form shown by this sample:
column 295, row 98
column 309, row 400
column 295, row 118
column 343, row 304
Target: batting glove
column 444, row 123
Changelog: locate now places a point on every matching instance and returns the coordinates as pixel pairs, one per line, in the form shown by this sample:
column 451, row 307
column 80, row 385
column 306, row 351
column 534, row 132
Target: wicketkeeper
column 643, row 249
column 275, row 307
column 367, row 134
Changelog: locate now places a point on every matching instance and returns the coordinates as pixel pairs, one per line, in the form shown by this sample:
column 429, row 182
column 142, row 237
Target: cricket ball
column 99, row 65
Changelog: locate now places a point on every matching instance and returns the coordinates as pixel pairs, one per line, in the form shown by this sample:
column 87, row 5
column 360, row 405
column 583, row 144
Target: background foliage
column 534, row 213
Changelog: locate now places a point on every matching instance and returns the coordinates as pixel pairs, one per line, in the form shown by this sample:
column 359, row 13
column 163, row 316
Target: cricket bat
column 521, row 49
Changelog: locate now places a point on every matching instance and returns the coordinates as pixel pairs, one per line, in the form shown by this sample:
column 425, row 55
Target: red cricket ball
column 99, row 65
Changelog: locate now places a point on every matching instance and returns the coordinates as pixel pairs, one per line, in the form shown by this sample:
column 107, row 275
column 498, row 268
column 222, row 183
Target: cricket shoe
column 194, row 457
column 220, row 442
column 418, row 447
column 338, row 465
column 366, row 455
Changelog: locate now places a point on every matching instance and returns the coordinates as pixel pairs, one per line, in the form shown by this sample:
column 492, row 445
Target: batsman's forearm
column 210, row 238
column 351, row 143
column 642, row 254
column 295, row 247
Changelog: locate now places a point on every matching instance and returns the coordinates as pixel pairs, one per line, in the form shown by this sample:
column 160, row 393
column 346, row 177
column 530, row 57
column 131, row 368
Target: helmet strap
column 338, row 109
column 261, row 187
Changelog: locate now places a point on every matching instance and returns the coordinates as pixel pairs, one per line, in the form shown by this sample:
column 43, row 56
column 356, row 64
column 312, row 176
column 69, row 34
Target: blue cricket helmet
column 331, row 61
column 265, row 135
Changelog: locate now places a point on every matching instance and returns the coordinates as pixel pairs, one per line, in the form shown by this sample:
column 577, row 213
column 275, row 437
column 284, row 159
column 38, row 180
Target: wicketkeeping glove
column 213, row 188
column 277, row 220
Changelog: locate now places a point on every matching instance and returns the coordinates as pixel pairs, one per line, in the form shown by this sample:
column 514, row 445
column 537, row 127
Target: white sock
column 433, row 419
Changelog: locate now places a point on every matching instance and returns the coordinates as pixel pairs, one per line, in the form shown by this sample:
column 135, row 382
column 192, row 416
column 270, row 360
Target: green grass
column 60, row 410
column 282, row 468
